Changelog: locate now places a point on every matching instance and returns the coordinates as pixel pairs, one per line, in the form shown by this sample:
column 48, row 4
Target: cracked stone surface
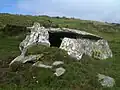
column 38, row 35
column 77, row 47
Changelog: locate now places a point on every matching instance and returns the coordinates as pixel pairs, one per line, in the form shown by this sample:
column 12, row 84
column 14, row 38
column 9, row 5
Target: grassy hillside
column 79, row 75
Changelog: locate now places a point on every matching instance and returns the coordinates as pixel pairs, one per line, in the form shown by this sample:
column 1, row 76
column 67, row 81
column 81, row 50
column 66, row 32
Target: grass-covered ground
column 80, row 75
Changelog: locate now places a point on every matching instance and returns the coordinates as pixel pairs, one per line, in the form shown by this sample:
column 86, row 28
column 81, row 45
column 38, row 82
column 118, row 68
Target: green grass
column 80, row 75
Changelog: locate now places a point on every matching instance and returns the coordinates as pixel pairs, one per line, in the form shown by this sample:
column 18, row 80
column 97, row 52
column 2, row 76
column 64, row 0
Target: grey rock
column 33, row 58
column 72, row 47
column 56, row 63
column 24, row 59
column 38, row 35
column 106, row 81
column 59, row 71
column 74, row 31
column 85, row 43
column 41, row 65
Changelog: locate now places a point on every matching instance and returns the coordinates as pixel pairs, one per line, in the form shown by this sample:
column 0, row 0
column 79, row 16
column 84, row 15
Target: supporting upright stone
column 38, row 35
column 77, row 47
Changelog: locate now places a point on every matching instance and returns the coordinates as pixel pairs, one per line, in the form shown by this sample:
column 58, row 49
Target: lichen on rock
column 38, row 35
column 77, row 47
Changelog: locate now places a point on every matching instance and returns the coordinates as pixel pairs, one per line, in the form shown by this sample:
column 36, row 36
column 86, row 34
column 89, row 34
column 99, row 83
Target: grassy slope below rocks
column 79, row 75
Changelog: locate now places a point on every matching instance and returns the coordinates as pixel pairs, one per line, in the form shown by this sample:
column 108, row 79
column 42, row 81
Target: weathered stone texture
column 83, row 43
column 77, row 47
column 38, row 35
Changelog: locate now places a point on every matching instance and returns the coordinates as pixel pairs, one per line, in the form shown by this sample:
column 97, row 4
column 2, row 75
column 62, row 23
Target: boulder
column 59, row 71
column 77, row 47
column 106, row 81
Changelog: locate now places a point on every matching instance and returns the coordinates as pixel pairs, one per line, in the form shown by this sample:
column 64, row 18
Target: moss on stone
column 49, row 54
column 96, row 53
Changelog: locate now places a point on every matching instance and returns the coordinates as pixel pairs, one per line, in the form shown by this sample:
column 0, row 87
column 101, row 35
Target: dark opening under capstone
column 55, row 38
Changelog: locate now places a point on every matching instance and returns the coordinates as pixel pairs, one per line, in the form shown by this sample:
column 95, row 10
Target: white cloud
column 106, row 10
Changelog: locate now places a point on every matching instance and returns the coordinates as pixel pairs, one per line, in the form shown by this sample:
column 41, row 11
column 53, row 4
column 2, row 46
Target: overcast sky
column 100, row 10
